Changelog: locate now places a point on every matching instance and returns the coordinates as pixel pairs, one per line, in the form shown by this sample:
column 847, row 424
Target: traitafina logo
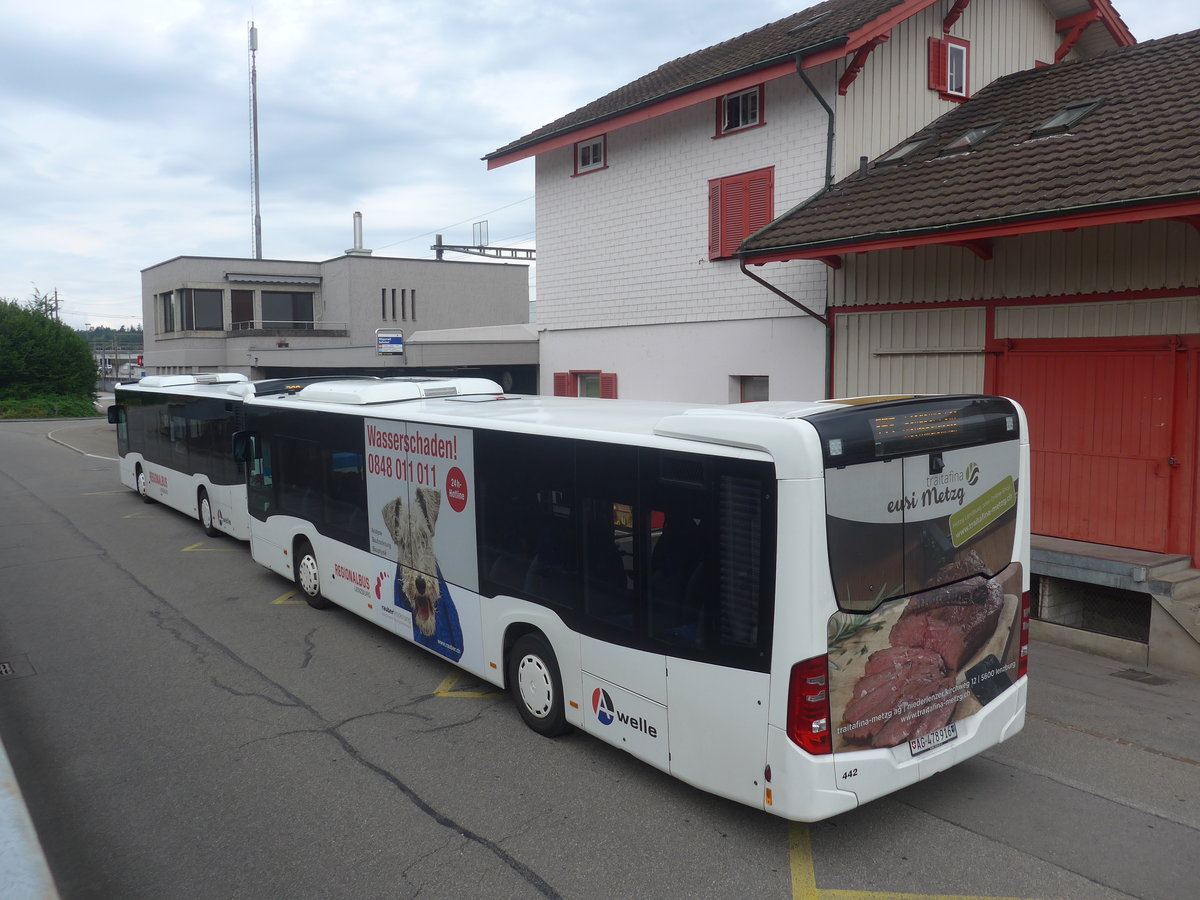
column 972, row 474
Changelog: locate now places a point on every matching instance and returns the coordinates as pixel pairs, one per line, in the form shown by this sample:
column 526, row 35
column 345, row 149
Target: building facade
column 1043, row 242
column 644, row 195
column 355, row 313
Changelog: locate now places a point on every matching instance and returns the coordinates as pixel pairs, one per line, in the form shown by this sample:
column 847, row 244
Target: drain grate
column 1140, row 676
column 15, row 667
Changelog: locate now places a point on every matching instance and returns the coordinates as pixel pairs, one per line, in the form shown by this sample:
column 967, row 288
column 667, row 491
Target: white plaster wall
column 695, row 361
column 629, row 244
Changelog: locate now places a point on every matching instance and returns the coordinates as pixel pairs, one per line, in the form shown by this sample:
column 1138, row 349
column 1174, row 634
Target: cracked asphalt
column 177, row 734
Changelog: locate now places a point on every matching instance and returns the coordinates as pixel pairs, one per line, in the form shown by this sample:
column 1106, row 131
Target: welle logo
column 606, row 713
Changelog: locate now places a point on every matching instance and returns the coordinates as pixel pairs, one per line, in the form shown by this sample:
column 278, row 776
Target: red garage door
column 1101, row 421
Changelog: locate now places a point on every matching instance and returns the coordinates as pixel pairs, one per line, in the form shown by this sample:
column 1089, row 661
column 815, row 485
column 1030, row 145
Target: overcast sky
column 125, row 138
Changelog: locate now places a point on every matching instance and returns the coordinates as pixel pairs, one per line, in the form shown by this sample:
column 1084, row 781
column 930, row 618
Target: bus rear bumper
column 807, row 788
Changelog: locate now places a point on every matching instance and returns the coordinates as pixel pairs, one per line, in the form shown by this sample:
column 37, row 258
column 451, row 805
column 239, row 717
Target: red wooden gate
column 1102, row 428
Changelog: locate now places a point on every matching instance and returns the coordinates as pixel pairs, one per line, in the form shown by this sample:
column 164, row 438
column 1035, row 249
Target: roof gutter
column 825, row 187
column 1162, row 207
column 661, row 98
column 829, row 131
column 828, row 179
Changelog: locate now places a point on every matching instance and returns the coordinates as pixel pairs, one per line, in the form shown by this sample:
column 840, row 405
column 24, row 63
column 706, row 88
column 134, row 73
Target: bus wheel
column 308, row 575
column 143, row 486
column 206, row 518
column 536, row 685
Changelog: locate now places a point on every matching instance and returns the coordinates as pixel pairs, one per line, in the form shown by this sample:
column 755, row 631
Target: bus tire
column 536, row 686
column 143, row 485
column 206, row 519
column 308, row 575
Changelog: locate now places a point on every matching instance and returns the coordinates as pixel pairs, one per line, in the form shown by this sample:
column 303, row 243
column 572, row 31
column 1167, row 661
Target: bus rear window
column 918, row 494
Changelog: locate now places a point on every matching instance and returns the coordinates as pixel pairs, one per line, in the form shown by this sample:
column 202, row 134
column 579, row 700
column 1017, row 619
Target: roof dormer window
column 970, row 138
column 1064, row 121
column 902, row 153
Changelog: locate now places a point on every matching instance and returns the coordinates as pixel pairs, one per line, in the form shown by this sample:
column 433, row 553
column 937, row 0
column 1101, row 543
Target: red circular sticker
column 456, row 489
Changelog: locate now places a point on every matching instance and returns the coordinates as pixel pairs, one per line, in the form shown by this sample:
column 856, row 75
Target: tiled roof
column 1139, row 146
column 818, row 25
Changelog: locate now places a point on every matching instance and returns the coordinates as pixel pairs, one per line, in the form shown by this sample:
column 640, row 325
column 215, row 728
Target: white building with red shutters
column 645, row 194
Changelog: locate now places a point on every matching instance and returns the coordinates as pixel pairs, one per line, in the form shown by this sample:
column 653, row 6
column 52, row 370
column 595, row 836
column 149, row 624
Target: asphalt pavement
column 1130, row 712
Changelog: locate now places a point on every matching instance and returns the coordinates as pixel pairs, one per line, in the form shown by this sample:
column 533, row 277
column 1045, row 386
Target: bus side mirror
column 245, row 446
column 114, row 415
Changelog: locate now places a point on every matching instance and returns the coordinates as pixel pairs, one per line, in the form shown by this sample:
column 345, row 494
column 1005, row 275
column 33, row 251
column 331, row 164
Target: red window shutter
column 734, row 211
column 608, row 385
column 937, row 64
column 714, row 219
column 760, row 201
column 738, row 206
column 564, row 385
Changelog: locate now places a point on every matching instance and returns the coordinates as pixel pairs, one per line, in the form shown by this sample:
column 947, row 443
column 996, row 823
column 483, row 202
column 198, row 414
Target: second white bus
column 799, row 606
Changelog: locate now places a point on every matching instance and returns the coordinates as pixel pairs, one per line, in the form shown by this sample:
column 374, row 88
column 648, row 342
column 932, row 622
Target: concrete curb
column 24, row 874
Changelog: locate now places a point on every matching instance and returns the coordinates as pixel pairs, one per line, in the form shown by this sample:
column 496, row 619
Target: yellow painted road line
column 804, row 877
column 200, row 548
column 446, row 689
column 286, row 600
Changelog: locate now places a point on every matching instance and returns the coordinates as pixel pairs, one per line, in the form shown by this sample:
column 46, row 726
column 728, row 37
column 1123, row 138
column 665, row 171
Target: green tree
column 44, row 364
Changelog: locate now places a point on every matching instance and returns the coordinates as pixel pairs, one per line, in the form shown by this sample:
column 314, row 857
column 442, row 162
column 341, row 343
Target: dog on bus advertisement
column 422, row 518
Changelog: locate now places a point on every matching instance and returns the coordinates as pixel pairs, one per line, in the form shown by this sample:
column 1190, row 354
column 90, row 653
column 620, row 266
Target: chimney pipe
column 357, row 249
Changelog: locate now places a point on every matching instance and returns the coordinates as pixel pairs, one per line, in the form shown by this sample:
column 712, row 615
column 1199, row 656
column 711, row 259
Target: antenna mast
column 254, row 183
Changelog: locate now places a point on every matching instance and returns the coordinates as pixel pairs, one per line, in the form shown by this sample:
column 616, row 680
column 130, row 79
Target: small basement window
column 1064, row 121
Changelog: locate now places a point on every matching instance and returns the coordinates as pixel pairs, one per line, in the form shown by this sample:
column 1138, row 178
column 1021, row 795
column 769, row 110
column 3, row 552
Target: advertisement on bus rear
column 421, row 515
column 936, row 532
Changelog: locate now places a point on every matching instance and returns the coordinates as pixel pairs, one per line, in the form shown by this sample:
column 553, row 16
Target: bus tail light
column 808, row 706
column 1023, row 659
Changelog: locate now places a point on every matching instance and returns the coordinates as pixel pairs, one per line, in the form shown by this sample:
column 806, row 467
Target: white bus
column 799, row 606
column 174, row 440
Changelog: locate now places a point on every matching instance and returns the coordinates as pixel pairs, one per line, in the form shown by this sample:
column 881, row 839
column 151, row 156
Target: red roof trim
column 652, row 111
column 1030, row 300
column 868, row 32
column 857, row 39
column 1113, row 23
column 1121, row 215
column 955, row 12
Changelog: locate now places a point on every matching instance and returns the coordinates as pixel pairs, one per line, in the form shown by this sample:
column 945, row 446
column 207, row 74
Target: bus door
column 624, row 680
column 710, row 600
column 921, row 504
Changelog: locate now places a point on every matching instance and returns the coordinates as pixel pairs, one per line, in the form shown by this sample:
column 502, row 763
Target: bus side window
column 260, row 491
column 740, row 556
column 676, row 586
column 678, row 491
column 527, row 524
column 607, row 476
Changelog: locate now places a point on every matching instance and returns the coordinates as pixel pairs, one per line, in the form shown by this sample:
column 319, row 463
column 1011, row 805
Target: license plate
column 933, row 739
